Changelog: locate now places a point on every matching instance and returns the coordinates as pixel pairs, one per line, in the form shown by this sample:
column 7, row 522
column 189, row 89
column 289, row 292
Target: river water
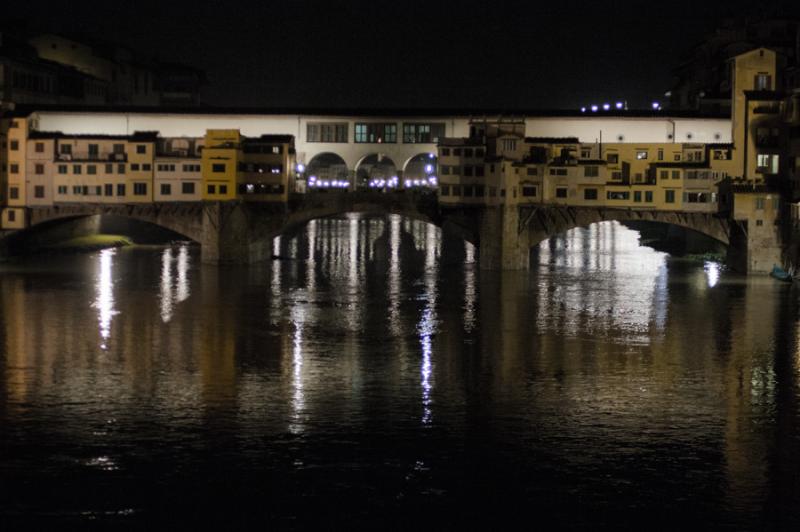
column 375, row 376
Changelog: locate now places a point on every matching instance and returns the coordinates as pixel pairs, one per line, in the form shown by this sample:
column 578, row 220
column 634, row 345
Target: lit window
column 640, row 155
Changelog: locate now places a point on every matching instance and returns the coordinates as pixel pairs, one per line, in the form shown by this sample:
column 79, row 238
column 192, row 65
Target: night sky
column 460, row 54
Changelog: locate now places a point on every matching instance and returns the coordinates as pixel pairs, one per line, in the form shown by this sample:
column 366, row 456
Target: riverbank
column 84, row 244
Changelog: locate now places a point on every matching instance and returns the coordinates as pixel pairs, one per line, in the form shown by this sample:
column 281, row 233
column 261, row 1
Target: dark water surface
column 375, row 376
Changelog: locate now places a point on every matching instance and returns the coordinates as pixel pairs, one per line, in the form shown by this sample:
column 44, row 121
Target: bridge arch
column 543, row 222
column 327, row 166
column 375, row 167
column 421, row 167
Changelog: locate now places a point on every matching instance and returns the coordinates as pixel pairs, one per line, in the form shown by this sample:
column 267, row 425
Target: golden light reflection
column 104, row 302
column 712, row 270
column 470, row 293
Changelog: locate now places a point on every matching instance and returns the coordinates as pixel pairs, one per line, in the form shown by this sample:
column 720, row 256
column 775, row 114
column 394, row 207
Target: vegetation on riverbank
column 88, row 243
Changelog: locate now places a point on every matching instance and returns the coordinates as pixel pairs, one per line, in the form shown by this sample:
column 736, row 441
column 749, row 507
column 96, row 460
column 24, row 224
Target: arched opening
column 87, row 232
column 376, row 171
column 420, row 171
column 327, row 170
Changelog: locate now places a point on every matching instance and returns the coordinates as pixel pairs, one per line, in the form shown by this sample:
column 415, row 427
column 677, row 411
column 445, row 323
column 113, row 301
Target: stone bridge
column 242, row 232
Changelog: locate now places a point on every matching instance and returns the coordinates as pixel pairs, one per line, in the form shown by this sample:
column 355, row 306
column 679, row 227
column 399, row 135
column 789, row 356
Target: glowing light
column 656, row 106
column 428, row 168
column 712, row 270
column 583, row 109
column 431, row 156
column 619, row 105
column 301, row 167
column 594, row 108
column 606, row 106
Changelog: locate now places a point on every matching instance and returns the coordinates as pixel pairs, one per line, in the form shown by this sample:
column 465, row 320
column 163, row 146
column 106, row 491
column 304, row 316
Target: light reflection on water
column 376, row 363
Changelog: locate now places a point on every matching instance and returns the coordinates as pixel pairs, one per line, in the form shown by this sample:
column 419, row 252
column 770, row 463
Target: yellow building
column 219, row 164
column 253, row 169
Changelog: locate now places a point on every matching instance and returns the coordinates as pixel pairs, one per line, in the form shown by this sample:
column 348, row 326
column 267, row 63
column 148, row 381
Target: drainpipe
column 671, row 121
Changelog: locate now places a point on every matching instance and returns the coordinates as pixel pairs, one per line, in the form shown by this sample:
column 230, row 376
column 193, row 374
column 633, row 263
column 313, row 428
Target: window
column 62, row 189
column 109, row 168
column 445, row 152
column 376, row 133
column 759, row 223
column 120, row 168
column 76, row 169
column 13, row 192
column 91, row 169
column 38, row 169
column 77, row 189
column 479, row 171
column 146, row 167
column 39, row 147
column 763, row 82
column 561, row 192
column 676, row 174
column 212, row 189
column 223, row 189
column 590, row 193
column 591, row 171
column 141, row 148
column 109, row 189
column 618, row 195
column 767, row 163
column 509, row 144
column 187, row 188
column 760, row 204
column 12, row 216
column 13, row 168
column 62, row 169
column 641, row 155
column 669, row 196
column 118, row 148
column 13, row 145
column 139, row 189
column 648, row 196
column 94, row 151
column 664, row 174
column 218, row 168
column 677, row 157
column 166, row 189
column 444, row 190
column 65, row 149
column 660, row 155
column 637, row 196
column 456, row 152
column 532, row 170
column 425, row 133
column 468, row 171
column 326, row 132
column 612, row 158
column 558, row 171
column 529, row 191
column 120, row 189
column 445, row 169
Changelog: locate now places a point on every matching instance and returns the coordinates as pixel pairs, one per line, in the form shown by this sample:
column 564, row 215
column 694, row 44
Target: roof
column 27, row 109
column 552, row 140
column 269, row 138
column 139, row 136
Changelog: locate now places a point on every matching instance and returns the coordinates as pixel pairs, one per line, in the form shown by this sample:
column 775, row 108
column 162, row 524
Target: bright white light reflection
column 427, row 324
column 712, row 273
column 298, row 397
column 104, row 302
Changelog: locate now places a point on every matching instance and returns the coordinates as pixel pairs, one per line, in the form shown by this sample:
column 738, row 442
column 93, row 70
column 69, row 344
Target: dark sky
column 468, row 54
